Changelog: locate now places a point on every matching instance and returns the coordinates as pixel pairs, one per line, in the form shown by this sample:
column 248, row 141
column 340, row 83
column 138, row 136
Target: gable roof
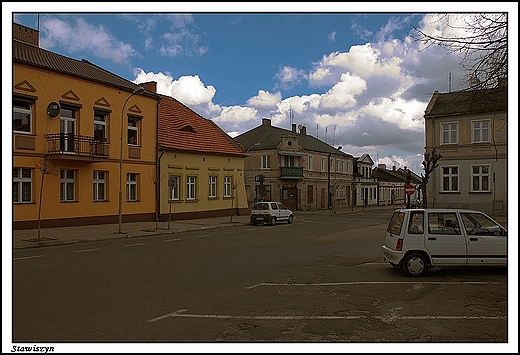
column 182, row 129
column 269, row 137
column 467, row 102
column 34, row 56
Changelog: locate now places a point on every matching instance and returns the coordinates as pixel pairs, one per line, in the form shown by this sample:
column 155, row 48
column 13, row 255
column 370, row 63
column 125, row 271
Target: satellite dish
column 300, row 126
column 53, row 109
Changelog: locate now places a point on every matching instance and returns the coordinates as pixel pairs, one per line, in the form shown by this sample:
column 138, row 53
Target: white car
column 270, row 212
column 417, row 239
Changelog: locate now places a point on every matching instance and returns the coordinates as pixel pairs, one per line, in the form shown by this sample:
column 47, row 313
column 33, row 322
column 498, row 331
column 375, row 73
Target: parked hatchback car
column 270, row 212
column 418, row 239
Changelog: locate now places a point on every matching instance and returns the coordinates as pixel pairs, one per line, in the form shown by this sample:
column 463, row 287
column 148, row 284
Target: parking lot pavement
column 28, row 238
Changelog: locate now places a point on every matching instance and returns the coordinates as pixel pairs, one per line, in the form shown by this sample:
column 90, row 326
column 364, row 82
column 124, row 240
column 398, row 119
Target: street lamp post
column 136, row 91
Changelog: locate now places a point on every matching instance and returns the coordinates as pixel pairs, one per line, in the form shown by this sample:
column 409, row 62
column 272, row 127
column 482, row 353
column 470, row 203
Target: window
column 309, row 162
column 450, row 178
column 68, row 129
column 22, row 185
column 342, row 166
column 416, row 225
column 480, row 178
column 67, row 185
column 132, row 131
column 480, row 131
column 449, row 133
column 322, row 164
column 227, row 186
column 337, row 165
column 266, row 162
column 100, row 185
column 190, row 188
column 174, row 191
column 443, row 223
column 131, row 187
column 100, row 128
column 212, row 187
column 22, row 116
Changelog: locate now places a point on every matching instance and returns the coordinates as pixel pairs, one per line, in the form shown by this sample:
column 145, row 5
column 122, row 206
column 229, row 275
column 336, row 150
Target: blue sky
column 353, row 77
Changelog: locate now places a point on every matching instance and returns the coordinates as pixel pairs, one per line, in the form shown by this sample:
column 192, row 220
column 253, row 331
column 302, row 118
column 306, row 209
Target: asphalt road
column 321, row 280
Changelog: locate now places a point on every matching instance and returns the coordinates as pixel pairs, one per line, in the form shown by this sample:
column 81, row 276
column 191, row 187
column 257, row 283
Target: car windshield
column 261, row 206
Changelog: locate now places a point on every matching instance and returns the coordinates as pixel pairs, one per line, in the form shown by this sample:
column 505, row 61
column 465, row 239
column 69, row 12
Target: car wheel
column 415, row 265
column 273, row 221
column 290, row 219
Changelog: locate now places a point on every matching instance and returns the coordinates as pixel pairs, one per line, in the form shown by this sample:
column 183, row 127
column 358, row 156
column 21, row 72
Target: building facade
column 201, row 168
column 82, row 151
column 295, row 168
column 469, row 130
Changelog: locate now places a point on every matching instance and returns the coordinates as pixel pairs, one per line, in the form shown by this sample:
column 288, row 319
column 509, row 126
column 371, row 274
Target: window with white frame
column 67, row 185
column 174, row 190
column 450, row 178
column 449, row 133
column 212, row 187
column 342, row 166
column 133, row 133
column 480, row 178
column 100, row 126
column 323, row 164
column 100, row 185
column 309, row 162
column 227, row 186
column 266, row 162
column 190, row 187
column 22, row 185
column 337, row 165
column 132, row 186
column 22, row 116
column 480, row 131
column 348, row 167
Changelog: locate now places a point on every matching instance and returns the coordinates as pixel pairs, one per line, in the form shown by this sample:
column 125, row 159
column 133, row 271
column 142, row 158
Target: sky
column 352, row 76
column 353, row 79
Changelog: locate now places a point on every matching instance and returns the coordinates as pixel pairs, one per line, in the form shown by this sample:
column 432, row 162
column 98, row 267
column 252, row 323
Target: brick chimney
column 26, row 34
column 266, row 122
column 150, row 86
column 303, row 131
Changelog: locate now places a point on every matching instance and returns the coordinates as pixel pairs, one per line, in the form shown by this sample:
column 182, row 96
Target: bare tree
column 429, row 163
column 46, row 166
column 481, row 40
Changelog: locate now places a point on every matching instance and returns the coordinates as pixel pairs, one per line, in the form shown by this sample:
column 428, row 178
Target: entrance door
column 289, row 197
column 67, row 130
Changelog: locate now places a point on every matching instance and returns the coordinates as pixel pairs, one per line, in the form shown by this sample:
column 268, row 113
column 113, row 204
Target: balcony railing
column 291, row 172
column 76, row 145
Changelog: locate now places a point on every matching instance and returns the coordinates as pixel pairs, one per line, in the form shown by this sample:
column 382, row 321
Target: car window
column 443, row 223
column 282, row 206
column 261, row 206
column 274, row 206
column 480, row 224
column 416, row 223
column 396, row 223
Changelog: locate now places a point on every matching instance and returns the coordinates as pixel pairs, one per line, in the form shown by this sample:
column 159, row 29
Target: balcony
column 291, row 172
column 73, row 146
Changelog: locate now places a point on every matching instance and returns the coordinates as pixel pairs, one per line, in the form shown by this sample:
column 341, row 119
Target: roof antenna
column 449, row 82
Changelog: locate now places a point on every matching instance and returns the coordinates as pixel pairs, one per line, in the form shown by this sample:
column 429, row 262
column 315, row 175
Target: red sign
column 409, row 189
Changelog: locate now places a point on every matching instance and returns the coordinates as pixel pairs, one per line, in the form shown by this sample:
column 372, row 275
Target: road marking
column 84, row 250
column 376, row 283
column 29, row 257
column 182, row 314
column 202, row 236
column 134, row 245
column 172, row 240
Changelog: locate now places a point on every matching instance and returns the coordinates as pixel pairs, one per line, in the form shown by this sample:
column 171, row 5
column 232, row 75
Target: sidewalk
column 27, row 238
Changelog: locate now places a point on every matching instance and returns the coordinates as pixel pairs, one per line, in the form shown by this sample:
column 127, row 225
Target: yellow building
column 84, row 141
column 201, row 167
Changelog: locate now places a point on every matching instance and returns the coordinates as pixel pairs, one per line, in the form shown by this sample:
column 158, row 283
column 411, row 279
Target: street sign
column 409, row 189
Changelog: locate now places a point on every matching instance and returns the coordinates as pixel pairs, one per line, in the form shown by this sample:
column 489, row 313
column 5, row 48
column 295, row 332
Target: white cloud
column 236, row 114
column 289, row 77
column 342, row 95
column 265, row 98
column 83, row 36
column 405, row 114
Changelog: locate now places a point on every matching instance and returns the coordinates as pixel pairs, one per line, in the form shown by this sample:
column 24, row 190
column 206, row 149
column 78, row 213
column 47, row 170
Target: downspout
column 158, row 189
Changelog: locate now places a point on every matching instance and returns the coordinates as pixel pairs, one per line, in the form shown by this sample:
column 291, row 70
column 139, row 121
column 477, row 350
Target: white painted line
column 84, row 250
column 377, row 283
column 202, row 236
column 29, row 257
column 181, row 314
column 134, row 245
column 172, row 240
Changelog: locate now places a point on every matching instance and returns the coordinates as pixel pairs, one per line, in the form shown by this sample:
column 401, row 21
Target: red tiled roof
column 205, row 136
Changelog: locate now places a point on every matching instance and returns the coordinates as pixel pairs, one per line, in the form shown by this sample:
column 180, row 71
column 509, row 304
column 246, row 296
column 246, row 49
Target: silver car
column 270, row 212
